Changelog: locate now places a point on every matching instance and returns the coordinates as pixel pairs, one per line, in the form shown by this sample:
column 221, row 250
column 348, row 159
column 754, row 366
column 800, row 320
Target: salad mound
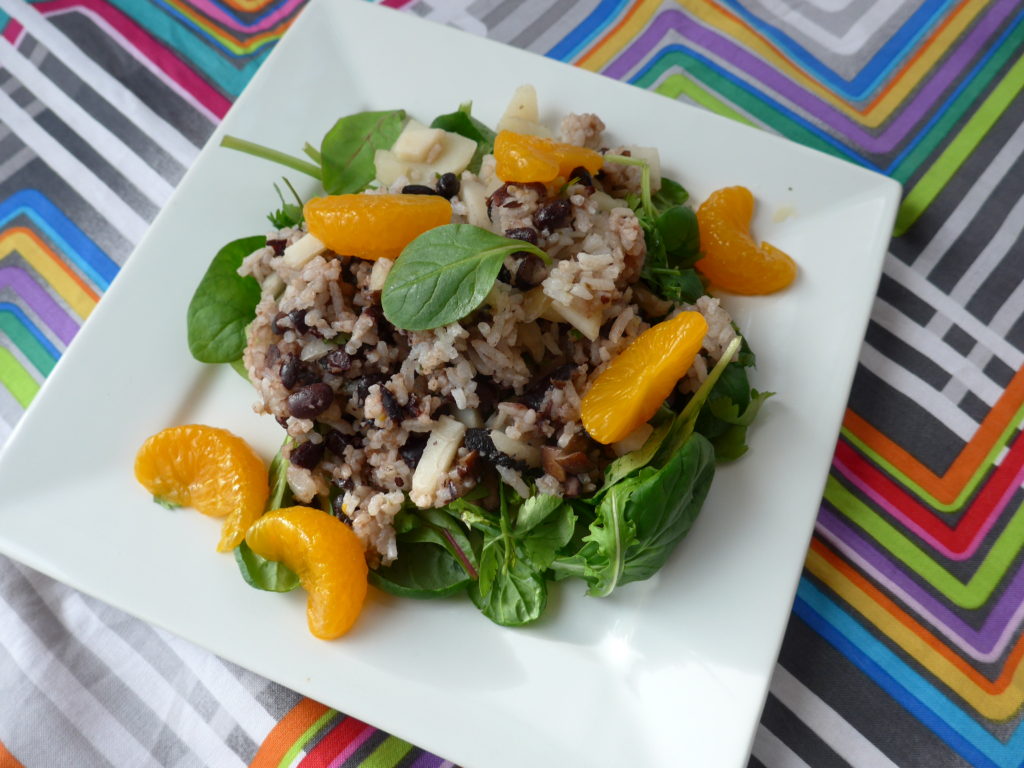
column 441, row 337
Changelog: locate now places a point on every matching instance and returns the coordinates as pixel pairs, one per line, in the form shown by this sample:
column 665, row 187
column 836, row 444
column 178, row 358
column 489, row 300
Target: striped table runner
column 905, row 646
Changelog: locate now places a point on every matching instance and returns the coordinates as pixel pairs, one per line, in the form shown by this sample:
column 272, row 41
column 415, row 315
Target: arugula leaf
column 348, row 148
column 289, row 214
column 642, row 518
column 444, row 274
column 423, row 570
column 223, row 304
column 463, row 123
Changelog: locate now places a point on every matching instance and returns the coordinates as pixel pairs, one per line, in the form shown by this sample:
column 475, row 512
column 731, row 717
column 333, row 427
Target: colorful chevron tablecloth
column 905, row 644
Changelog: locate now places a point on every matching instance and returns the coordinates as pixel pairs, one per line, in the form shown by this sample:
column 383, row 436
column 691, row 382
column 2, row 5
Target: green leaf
column 421, row 571
column 663, row 507
column 239, row 367
column 348, row 148
column 280, row 492
column 680, row 236
column 534, row 511
column 517, row 595
column 273, row 155
column 463, row 123
column 289, row 214
column 223, row 304
column 547, row 537
column 444, row 274
column 634, row 460
column 166, row 503
column 264, row 574
column 671, row 193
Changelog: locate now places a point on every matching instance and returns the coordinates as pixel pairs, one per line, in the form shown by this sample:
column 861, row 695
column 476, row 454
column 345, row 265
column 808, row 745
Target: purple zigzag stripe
column 59, row 321
column 986, row 644
column 897, row 130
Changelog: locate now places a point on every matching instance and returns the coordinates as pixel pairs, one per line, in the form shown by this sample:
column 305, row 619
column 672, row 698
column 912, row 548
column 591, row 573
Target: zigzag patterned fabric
column 905, row 646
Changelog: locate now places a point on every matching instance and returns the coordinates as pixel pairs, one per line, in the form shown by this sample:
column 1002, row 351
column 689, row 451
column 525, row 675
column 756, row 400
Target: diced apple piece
column 522, row 105
column 634, row 441
column 474, row 197
column 437, row 458
column 529, row 127
column 417, row 142
column 587, row 324
column 455, row 153
column 529, row 335
column 650, row 154
column 517, row 449
column 606, row 202
column 470, row 417
column 298, row 254
column 379, row 273
column 537, row 304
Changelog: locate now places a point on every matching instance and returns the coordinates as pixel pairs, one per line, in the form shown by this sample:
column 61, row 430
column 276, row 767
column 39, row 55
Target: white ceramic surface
column 669, row 672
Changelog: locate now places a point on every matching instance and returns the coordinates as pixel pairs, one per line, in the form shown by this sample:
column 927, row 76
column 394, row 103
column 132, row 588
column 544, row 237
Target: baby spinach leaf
column 680, row 236
column 264, row 574
column 348, row 148
column 462, row 122
column 423, row 570
column 517, row 594
column 257, row 571
column 223, row 304
column 550, row 528
column 444, row 274
column 239, row 367
column 671, row 193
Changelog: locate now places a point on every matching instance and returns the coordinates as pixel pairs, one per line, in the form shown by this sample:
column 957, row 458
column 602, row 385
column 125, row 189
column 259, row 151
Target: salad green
column 504, row 559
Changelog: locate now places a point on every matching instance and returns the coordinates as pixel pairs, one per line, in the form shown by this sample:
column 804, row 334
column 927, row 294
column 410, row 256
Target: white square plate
column 668, row 672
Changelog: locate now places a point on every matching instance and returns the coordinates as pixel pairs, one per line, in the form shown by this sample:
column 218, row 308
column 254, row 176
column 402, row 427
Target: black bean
column 364, row 383
column 504, row 275
column 531, row 272
column 553, row 215
column 448, row 185
column 272, row 355
column 337, row 361
column 298, row 318
column 413, row 449
column 526, row 234
column 282, row 421
column 307, row 455
column 277, row 244
column 418, row 189
column 337, row 441
column 276, row 324
column 391, row 406
column 583, row 175
column 290, row 371
column 310, row 401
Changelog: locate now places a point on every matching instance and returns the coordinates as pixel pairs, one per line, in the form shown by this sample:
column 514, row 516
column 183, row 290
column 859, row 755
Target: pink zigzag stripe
column 173, row 69
column 214, row 11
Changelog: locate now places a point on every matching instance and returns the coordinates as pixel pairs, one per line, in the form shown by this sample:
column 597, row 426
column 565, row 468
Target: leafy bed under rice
column 525, row 494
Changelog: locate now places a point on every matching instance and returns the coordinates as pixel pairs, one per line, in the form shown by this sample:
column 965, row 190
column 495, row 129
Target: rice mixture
column 360, row 398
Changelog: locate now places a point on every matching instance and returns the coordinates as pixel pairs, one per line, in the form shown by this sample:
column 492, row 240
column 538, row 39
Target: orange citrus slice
column 732, row 259
column 209, row 469
column 326, row 555
column 374, row 226
column 635, row 384
column 522, row 158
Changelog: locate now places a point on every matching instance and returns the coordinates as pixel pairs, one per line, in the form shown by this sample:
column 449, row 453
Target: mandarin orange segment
column 209, row 469
column 522, row 158
column 326, row 555
column 732, row 258
column 374, row 226
column 635, row 384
